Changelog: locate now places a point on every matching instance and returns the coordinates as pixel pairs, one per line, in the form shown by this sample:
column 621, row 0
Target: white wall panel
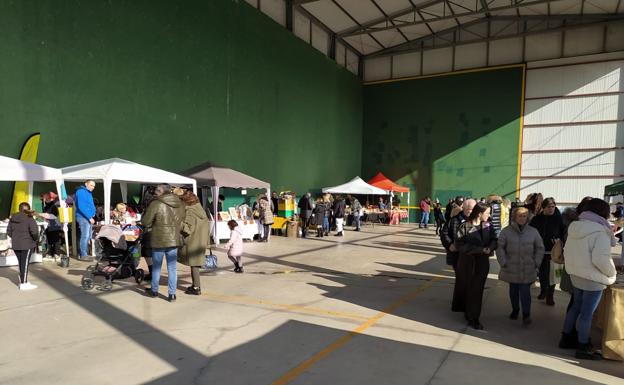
column 275, row 9
column 566, row 137
column 377, row 68
column 320, row 39
column 437, row 61
column 406, row 65
column 565, row 190
column 470, row 56
column 576, row 80
column 301, row 26
column 583, row 41
column 506, row 51
column 569, row 164
column 582, row 109
column 615, row 36
column 543, row 46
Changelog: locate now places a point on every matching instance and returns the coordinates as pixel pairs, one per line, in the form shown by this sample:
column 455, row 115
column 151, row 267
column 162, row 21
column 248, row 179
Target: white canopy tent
column 121, row 171
column 14, row 170
column 355, row 186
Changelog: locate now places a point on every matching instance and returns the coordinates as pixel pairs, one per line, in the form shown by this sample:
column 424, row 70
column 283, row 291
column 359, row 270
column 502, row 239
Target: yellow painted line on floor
column 298, row 308
column 307, row 364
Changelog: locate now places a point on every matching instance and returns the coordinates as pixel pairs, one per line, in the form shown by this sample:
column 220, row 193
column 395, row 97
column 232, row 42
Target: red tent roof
column 381, row 181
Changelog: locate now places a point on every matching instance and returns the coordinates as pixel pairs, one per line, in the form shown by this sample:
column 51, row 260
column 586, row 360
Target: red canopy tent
column 381, row 181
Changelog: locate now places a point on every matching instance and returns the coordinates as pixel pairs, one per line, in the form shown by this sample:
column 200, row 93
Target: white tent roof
column 120, row 170
column 20, row 171
column 355, row 186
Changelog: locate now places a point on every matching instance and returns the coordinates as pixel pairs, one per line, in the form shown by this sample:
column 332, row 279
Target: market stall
column 13, row 170
column 115, row 170
column 215, row 177
column 396, row 214
column 357, row 186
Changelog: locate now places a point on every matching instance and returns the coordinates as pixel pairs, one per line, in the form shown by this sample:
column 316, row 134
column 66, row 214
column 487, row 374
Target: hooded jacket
column 163, row 220
column 588, row 252
column 339, row 208
column 84, row 203
column 23, row 231
column 519, row 253
column 196, row 234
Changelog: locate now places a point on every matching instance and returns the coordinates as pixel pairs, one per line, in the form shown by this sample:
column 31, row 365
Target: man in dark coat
column 163, row 219
column 305, row 212
column 449, row 231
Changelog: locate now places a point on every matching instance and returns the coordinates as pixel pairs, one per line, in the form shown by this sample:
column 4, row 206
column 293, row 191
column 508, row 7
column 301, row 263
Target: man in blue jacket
column 85, row 211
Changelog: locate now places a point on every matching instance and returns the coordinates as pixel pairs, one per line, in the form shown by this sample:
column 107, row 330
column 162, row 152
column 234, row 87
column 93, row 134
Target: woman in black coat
column 549, row 224
column 475, row 241
column 24, row 234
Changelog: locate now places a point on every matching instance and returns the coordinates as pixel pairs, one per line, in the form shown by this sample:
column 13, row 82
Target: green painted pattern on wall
column 447, row 135
column 173, row 84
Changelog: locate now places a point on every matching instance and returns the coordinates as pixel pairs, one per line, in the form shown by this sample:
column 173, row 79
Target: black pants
column 544, row 276
column 54, row 242
column 471, row 274
column 23, row 257
column 195, row 276
column 439, row 225
column 305, row 222
column 267, row 230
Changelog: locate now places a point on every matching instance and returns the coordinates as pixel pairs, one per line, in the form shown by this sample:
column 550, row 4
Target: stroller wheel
column 91, row 268
column 139, row 275
column 87, row 283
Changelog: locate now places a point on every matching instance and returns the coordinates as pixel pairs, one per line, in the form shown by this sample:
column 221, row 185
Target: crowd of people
column 533, row 241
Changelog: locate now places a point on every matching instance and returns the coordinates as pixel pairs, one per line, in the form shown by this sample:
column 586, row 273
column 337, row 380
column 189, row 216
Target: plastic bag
column 211, row 262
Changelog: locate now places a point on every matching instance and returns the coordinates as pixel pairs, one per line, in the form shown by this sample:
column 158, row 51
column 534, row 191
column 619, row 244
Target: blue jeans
column 85, row 235
column 356, row 221
column 171, row 254
column 424, row 218
column 520, row 293
column 581, row 312
column 326, row 225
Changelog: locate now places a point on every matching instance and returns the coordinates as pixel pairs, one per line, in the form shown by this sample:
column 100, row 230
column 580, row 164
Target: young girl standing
column 235, row 247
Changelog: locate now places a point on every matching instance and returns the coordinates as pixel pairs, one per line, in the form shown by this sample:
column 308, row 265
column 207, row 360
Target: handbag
column 556, row 253
column 211, row 262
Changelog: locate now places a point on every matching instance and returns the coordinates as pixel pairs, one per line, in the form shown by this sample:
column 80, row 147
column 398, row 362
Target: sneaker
column 587, row 352
column 475, row 324
column 514, row 315
column 238, row 270
column 171, row 298
column 150, row 293
column 27, row 286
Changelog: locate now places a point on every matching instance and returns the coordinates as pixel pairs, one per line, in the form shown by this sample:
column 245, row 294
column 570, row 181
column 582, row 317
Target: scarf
column 593, row 217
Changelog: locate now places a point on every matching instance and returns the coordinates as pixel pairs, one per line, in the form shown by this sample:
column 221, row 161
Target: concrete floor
column 370, row 308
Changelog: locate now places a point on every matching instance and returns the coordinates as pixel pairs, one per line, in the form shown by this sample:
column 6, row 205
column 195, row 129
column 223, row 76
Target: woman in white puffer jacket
column 591, row 268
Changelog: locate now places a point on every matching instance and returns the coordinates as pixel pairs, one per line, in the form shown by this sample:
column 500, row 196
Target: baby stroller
column 115, row 259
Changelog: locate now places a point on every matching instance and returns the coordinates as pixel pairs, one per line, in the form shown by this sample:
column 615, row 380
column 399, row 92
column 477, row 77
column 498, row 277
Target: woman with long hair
column 475, row 241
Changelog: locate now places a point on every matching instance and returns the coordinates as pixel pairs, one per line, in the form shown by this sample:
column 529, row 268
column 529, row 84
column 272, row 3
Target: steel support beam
column 418, row 44
column 369, row 27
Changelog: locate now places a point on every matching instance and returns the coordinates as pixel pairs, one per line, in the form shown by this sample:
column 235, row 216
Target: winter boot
column 587, row 352
column 569, row 340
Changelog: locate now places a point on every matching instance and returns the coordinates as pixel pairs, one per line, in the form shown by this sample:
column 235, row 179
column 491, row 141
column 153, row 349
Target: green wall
column 446, row 135
column 173, row 84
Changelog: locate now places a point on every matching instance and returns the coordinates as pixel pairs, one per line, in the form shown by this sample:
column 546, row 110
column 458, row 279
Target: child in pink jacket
column 235, row 247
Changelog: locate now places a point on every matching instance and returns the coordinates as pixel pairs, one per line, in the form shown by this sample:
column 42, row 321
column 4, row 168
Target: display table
column 8, row 258
column 248, row 228
column 609, row 318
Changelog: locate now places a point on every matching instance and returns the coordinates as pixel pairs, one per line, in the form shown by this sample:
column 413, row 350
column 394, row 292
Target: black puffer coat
column 23, row 231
